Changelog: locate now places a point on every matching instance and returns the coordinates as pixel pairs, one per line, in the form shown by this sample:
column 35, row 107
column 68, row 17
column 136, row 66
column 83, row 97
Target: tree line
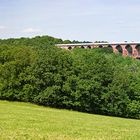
column 88, row 80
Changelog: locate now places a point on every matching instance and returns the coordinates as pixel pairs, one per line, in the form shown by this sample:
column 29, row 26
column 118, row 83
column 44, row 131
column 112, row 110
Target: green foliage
column 88, row 80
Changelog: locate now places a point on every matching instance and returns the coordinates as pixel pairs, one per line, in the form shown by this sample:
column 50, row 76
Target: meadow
column 26, row 121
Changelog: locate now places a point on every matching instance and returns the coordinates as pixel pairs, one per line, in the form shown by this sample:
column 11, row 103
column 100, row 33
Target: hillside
column 27, row 121
column 87, row 80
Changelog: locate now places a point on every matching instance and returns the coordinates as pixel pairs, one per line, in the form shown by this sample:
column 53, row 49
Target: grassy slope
column 23, row 121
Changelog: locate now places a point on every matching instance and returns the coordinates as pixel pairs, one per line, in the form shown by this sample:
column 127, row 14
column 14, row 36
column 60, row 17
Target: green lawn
column 24, row 121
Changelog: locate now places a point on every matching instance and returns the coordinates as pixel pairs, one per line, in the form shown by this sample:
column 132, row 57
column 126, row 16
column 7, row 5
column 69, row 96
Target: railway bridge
column 125, row 48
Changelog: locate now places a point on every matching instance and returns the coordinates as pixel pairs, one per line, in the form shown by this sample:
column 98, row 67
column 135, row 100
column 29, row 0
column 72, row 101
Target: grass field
column 24, row 121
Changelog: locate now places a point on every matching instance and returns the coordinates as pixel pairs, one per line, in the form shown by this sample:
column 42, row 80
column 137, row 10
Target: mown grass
column 24, row 121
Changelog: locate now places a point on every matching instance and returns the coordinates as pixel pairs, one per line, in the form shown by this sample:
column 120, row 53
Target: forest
column 88, row 80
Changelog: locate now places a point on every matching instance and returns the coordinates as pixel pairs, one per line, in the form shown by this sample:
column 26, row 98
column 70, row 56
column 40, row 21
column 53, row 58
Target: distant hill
column 37, row 41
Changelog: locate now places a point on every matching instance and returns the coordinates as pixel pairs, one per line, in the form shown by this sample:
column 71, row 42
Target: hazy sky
column 111, row 20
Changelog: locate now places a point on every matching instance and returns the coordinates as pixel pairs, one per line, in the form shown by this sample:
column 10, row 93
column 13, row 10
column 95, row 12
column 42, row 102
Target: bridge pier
column 115, row 49
column 124, row 50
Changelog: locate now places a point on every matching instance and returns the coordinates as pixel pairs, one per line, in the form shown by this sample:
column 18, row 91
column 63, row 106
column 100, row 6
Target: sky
column 90, row 20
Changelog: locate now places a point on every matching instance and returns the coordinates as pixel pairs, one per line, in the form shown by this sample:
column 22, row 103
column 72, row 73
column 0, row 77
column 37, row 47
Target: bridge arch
column 101, row 46
column 109, row 46
column 119, row 49
column 69, row 48
column 129, row 49
column 138, row 49
column 88, row 47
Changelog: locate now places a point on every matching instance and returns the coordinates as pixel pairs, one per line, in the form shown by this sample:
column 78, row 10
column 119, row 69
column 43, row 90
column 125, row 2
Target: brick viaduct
column 127, row 49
